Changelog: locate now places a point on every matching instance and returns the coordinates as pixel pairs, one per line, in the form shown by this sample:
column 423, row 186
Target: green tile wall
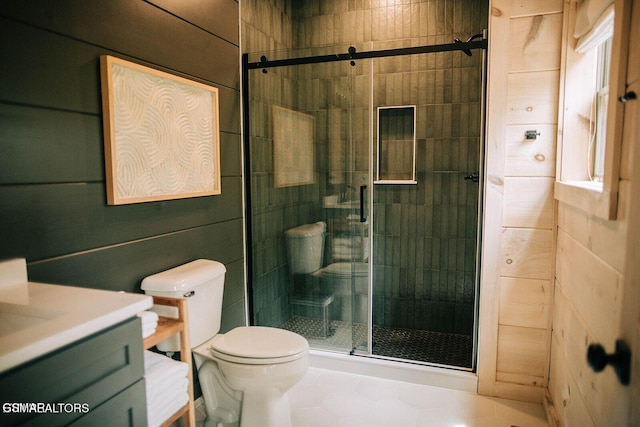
column 424, row 235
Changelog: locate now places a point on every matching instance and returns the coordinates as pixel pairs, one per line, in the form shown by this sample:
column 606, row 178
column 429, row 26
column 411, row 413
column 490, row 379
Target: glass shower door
column 307, row 157
column 426, row 207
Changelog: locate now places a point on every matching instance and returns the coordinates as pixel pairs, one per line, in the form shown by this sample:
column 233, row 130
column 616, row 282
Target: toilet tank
column 305, row 245
column 201, row 283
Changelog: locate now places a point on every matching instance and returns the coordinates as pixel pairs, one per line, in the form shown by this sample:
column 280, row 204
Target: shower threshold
column 396, row 344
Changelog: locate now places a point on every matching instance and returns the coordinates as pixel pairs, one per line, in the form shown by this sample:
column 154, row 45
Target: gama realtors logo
column 44, row 408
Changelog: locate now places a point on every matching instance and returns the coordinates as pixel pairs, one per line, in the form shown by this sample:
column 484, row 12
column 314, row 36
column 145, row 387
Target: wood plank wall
column 518, row 247
column 589, row 290
column 53, row 208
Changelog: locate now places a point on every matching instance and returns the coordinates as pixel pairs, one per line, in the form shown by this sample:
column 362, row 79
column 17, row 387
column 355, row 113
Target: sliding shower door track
column 411, row 362
column 352, row 54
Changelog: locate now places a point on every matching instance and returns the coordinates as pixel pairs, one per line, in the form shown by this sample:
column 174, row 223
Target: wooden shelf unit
column 167, row 327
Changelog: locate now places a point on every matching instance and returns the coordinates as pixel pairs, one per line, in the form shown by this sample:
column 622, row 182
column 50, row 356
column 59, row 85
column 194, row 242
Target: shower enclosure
column 381, row 150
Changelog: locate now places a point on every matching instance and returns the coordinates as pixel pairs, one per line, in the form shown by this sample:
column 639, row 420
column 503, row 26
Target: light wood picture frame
column 293, row 147
column 161, row 134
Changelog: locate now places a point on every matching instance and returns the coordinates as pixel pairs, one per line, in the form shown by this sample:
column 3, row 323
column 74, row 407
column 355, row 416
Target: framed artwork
column 161, row 134
column 293, row 147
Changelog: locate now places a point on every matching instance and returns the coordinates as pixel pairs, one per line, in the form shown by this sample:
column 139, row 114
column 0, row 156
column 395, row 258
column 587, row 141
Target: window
column 601, row 101
column 594, row 67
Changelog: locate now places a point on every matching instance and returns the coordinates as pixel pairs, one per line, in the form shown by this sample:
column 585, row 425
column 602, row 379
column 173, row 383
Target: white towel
column 159, row 383
column 149, row 323
column 148, row 329
column 165, row 402
column 158, row 414
column 166, row 386
column 148, row 317
column 158, row 366
column 167, row 396
column 346, row 242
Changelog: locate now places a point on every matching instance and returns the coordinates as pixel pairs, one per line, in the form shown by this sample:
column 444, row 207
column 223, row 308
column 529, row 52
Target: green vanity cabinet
column 95, row 381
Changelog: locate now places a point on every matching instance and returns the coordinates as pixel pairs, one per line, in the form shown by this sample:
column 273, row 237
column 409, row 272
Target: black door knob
column 629, row 96
column 598, row 359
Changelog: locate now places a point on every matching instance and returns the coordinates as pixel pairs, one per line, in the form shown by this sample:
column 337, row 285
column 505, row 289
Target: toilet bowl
column 245, row 373
column 259, row 362
column 350, row 284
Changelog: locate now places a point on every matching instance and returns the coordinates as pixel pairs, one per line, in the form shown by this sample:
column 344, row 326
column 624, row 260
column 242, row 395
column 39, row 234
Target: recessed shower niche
column 396, row 145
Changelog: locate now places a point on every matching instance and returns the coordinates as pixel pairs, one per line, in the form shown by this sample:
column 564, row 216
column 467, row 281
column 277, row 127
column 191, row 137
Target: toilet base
column 258, row 404
column 265, row 407
column 222, row 403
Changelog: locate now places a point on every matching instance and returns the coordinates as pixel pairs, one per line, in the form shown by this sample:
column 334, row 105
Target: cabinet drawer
column 89, row 372
column 126, row 409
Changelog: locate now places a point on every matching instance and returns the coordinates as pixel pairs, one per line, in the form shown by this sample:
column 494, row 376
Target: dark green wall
column 53, row 209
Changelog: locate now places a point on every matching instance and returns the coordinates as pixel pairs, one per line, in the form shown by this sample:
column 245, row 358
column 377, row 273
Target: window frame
column 572, row 187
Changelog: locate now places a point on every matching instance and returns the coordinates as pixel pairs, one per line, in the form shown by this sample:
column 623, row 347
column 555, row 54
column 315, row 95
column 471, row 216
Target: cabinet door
column 88, row 372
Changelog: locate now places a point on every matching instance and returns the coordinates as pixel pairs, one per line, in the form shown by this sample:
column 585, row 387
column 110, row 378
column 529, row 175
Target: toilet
column 245, row 373
column 341, row 276
column 305, row 245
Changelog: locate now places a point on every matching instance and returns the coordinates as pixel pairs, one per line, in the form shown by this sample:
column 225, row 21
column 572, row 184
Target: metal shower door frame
column 353, row 55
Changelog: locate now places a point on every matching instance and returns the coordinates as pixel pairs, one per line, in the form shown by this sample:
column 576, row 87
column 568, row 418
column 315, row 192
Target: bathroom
column 52, row 175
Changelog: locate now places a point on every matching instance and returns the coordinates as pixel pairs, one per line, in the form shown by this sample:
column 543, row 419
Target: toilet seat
column 340, row 270
column 347, row 278
column 258, row 345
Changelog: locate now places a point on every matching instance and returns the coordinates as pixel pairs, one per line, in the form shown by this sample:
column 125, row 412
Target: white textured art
column 163, row 135
column 293, row 148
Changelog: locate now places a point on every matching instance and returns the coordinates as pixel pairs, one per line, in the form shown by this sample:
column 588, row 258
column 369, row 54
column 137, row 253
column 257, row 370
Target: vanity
column 69, row 355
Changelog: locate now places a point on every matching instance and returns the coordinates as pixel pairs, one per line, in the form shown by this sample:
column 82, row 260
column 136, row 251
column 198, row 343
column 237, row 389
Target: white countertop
column 37, row 318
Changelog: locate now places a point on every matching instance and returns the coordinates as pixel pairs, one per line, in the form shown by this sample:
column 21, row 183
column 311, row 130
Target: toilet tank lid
column 186, row 276
column 307, row 230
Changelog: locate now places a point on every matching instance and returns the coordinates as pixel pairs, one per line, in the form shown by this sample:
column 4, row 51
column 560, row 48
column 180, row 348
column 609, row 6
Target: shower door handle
column 475, row 177
column 363, row 218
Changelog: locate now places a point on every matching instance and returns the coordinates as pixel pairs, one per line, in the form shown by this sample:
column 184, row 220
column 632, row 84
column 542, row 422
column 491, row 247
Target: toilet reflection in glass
column 346, row 281
column 245, row 373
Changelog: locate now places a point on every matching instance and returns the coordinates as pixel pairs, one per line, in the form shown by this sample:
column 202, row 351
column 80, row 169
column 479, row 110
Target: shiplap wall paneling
column 534, row 42
column 579, row 388
column 139, row 30
column 564, row 391
column 531, row 157
column 496, row 135
column 527, row 253
column 602, row 237
column 528, row 202
column 527, row 7
column 52, row 163
column 531, row 34
column 522, row 355
column 531, row 97
column 592, row 286
column 525, row 302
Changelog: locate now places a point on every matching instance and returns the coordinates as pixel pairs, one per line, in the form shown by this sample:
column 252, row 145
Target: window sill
column 589, row 196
